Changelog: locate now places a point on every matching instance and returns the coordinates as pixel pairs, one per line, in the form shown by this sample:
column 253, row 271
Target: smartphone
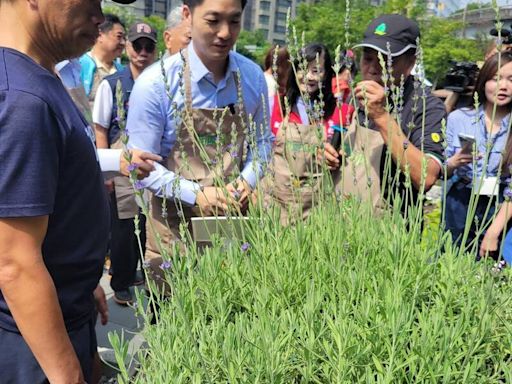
column 466, row 143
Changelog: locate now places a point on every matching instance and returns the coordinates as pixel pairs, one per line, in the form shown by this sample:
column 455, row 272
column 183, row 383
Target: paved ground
column 121, row 320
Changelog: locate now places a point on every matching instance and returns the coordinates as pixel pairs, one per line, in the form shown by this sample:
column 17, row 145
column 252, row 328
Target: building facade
column 270, row 17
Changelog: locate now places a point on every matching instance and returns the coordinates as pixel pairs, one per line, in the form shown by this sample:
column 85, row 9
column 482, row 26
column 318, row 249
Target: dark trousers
column 18, row 364
column 124, row 248
column 456, row 210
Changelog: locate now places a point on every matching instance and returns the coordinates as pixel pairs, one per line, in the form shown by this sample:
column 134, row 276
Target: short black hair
column 110, row 21
column 194, row 3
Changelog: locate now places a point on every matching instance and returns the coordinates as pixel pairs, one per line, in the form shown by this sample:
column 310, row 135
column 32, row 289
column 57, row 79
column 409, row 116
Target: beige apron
column 296, row 174
column 206, row 152
column 360, row 176
column 127, row 206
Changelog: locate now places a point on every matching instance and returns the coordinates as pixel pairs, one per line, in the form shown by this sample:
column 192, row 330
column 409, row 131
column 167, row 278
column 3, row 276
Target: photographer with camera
column 476, row 138
column 459, row 85
column 460, row 80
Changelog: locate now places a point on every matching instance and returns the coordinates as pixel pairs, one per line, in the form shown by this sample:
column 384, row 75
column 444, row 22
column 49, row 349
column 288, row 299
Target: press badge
column 488, row 187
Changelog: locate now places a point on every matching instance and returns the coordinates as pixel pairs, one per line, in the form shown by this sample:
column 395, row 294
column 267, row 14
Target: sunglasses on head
column 139, row 45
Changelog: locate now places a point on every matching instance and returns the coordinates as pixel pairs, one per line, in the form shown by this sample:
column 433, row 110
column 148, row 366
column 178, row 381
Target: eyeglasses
column 139, row 45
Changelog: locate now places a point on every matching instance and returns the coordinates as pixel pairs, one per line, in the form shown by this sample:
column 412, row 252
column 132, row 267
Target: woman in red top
column 303, row 92
column 313, row 116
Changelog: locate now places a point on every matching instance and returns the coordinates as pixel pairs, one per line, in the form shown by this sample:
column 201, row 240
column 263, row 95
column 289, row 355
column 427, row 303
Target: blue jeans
column 456, row 209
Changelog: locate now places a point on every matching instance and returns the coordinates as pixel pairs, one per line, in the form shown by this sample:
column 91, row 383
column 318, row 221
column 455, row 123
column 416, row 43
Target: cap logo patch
column 381, row 29
column 143, row 28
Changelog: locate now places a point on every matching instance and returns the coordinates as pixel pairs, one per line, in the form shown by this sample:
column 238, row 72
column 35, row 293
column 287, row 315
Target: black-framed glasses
column 149, row 46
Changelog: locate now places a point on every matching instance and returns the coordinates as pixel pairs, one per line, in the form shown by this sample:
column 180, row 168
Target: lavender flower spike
column 132, row 167
column 507, row 193
column 165, row 265
column 245, row 247
column 139, row 185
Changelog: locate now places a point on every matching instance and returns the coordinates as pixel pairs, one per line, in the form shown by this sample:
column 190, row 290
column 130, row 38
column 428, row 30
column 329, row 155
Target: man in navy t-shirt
column 54, row 216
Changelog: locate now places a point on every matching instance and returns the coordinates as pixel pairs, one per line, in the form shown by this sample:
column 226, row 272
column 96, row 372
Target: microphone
column 336, row 137
column 346, row 115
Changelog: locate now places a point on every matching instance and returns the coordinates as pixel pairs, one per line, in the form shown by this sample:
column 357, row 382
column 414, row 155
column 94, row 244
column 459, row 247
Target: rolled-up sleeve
column 147, row 123
column 451, row 130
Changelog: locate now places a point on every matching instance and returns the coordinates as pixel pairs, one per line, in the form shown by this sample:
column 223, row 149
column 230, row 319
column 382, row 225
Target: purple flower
column 234, row 154
column 139, row 185
column 214, row 161
column 165, row 265
column 132, row 167
column 507, row 193
column 406, row 144
column 245, row 247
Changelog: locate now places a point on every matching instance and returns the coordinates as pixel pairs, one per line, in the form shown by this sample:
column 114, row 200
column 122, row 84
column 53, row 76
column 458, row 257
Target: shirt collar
column 198, row 70
column 481, row 120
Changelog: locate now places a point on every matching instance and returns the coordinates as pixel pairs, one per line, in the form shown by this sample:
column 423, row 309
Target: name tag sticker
column 489, row 187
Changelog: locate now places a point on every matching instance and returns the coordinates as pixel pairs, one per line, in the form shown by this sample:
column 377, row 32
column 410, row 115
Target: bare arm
column 31, row 296
column 404, row 153
column 101, row 136
column 490, row 241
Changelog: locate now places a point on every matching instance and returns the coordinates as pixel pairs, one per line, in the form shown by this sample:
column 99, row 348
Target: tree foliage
column 325, row 22
column 253, row 45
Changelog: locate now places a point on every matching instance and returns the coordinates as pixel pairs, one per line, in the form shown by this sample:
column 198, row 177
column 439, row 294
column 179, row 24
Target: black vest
column 126, row 79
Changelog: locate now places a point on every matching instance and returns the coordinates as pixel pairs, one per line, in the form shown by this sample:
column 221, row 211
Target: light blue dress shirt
column 153, row 120
column 472, row 122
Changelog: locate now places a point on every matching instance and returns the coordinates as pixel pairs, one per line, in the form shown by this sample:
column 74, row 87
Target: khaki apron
column 206, row 152
column 360, row 176
column 127, row 206
column 296, row 174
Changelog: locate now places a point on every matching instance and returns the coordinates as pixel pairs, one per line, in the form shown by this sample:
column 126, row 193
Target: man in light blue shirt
column 156, row 111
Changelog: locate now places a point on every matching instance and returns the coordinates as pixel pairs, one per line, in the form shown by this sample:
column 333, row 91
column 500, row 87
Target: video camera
column 460, row 76
column 506, row 35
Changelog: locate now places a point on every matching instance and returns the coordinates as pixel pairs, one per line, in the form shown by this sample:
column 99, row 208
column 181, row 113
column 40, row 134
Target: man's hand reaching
column 240, row 191
column 213, row 201
column 142, row 162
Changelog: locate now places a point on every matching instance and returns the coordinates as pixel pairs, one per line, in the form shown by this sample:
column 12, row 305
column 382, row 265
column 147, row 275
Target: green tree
column 124, row 14
column 324, row 22
column 253, row 45
column 440, row 46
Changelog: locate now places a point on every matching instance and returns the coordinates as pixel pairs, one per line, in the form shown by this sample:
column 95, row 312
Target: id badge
column 488, row 187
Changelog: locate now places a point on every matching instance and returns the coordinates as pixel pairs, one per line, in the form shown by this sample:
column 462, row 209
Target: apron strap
column 188, row 88
column 187, row 78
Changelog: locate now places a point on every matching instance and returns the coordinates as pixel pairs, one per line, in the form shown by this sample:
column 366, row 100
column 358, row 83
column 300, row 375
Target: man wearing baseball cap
column 54, row 220
column 407, row 127
column 124, row 248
